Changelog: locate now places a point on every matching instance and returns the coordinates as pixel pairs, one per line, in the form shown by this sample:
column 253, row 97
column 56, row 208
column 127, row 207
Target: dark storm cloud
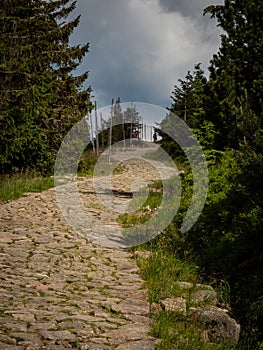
column 139, row 49
column 192, row 8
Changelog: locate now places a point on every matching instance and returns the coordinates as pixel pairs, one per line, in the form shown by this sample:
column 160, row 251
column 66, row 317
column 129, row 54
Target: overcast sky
column 140, row 48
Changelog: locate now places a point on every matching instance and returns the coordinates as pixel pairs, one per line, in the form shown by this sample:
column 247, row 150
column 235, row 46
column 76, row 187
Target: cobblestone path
column 60, row 291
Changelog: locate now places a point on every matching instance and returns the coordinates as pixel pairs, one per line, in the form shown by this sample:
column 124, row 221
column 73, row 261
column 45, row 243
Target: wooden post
column 91, row 130
column 131, row 125
column 102, row 131
column 123, row 130
column 96, row 130
column 110, row 134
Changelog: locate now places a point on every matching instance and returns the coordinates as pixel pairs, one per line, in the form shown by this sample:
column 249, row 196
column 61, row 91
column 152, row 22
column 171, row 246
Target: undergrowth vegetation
column 14, row 186
column 212, row 252
column 167, row 264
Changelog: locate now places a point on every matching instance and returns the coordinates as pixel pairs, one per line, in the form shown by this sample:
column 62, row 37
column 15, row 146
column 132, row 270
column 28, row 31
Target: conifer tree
column 190, row 103
column 133, row 121
column 236, row 79
column 41, row 99
column 117, row 131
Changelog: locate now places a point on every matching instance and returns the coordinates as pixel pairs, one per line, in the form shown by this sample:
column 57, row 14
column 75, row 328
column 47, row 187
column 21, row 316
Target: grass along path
column 14, row 186
column 163, row 271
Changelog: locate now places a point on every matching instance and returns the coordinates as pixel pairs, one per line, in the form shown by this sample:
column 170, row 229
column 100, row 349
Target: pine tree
column 190, row 103
column 236, row 78
column 189, row 97
column 41, row 99
column 133, row 121
column 117, row 121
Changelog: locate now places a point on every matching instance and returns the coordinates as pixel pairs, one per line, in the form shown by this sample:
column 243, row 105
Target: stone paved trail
column 60, row 291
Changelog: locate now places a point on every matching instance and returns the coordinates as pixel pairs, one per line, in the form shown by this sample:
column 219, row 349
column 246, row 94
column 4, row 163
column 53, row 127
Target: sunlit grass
column 179, row 332
column 161, row 271
column 14, row 186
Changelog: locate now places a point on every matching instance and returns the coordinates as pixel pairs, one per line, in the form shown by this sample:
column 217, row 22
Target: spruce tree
column 190, row 103
column 133, row 121
column 117, row 121
column 41, row 99
column 236, row 79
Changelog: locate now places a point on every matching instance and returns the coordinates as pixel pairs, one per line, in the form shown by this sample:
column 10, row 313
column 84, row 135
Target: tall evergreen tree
column 117, row 120
column 40, row 97
column 236, row 78
column 190, row 103
column 190, row 98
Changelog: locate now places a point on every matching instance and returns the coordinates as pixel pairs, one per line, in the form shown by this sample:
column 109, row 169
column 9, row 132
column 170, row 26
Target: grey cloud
column 137, row 51
column 193, row 8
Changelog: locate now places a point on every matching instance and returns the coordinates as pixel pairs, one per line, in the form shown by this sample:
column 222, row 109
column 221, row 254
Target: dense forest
column 225, row 112
column 41, row 99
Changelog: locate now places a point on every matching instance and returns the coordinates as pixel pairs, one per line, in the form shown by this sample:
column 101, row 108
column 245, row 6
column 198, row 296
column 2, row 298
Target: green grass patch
column 153, row 207
column 14, row 186
column 87, row 163
column 179, row 332
column 162, row 270
column 148, row 208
